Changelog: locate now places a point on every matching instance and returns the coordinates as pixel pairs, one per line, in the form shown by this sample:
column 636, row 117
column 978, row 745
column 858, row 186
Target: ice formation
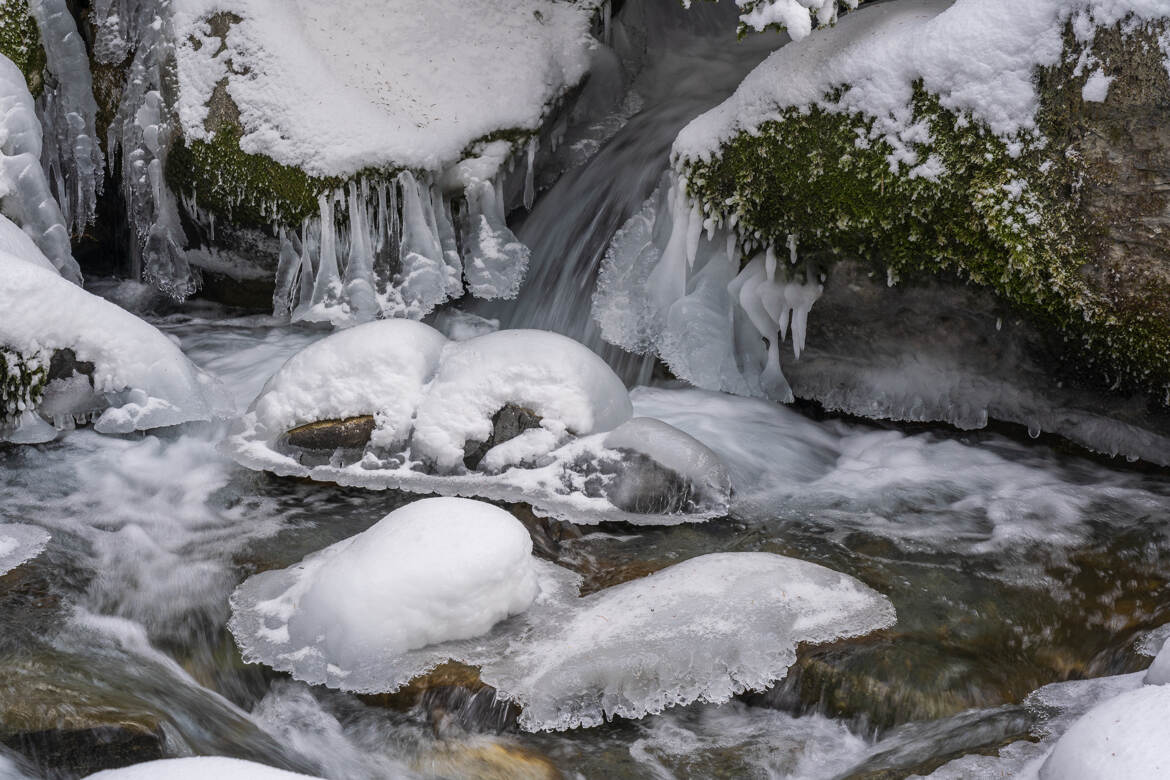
column 136, row 378
column 20, row 543
column 72, row 159
column 429, row 581
column 1122, row 737
column 198, row 768
column 667, row 288
column 702, row 630
column 1159, row 671
column 25, row 196
column 379, row 246
column 513, row 415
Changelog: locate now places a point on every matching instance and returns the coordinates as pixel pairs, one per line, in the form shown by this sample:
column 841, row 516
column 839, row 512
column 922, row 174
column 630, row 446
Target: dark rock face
column 328, row 435
column 641, row 485
column 87, row 750
column 64, row 364
column 508, row 423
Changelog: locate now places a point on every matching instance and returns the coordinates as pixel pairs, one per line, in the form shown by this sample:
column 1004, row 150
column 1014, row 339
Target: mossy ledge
column 1038, row 227
column 20, row 41
column 22, row 382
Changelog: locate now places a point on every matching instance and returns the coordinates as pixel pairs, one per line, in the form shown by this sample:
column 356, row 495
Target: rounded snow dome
column 435, row 570
column 1123, row 737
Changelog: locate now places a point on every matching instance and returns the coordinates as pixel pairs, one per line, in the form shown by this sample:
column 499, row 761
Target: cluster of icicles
column 398, row 249
column 672, row 284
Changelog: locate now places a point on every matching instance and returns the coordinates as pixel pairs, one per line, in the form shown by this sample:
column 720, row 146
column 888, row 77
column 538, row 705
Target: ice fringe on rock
column 510, row 415
column 436, row 579
column 20, row 543
column 71, row 156
column 702, row 630
column 140, row 379
column 198, row 768
column 25, row 196
column 664, row 288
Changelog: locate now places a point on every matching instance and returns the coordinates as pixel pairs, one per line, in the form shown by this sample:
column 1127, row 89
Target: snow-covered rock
column 198, row 768
column 514, row 415
column 1123, row 737
column 133, row 377
column 20, row 543
column 428, row 581
column 702, row 630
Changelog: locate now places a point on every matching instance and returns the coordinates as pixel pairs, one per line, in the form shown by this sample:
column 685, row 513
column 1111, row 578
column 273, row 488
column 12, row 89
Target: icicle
column 694, row 233
column 792, row 248
column 801, row 298
column 529, row 176
column 325, row 287
column 668, row 281
column 359, row 268
column 606, row 22
column 305, row 273
column 286, row 272
column 770, row 263
column 494, row 259
column 422, row 280
column 449, row 244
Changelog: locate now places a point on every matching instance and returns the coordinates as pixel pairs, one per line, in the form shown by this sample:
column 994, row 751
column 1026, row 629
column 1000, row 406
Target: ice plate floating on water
column 514, row 415
column 20, row 543
column 454, row 579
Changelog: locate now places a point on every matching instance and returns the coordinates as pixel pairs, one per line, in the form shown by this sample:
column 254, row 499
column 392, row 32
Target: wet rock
column 642, row 485
column 453, row 698
column 486, row 760
column 329, row 435
column 548, row 535
column 64, row 364
column 508, row 423
column 88, row 750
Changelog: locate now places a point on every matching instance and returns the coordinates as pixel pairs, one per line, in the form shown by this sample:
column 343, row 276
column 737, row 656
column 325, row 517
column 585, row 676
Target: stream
column 1012, row 563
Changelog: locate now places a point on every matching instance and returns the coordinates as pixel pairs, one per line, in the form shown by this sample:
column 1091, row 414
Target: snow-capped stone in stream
column 1123, row 737
column 440, row 569
column 375, row 610
column 124, row 373
column 702, row 630
column 20, row 543
column 198, row 768
column 513, row 415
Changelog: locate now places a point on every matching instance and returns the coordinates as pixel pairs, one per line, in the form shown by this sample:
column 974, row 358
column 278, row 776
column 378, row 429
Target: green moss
column 20, row 41
column 22, row 382
column 1015, row 224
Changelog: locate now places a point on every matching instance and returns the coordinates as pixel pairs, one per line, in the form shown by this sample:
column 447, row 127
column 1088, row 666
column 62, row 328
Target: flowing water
column 1011, row 564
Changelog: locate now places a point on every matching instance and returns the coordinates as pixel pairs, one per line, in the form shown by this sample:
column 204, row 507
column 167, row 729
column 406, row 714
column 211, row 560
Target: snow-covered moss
column 22, row 381
column 1019, row 212
column 20, row 41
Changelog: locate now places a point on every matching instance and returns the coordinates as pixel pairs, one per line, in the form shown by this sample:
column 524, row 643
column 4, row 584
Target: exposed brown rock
column 350, row 433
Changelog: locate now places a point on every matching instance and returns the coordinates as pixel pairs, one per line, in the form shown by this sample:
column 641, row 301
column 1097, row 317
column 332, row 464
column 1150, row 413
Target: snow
column 978, row 56
column 1123, row 737
column 431, row 398
column 436, row 570
column 197, row 768
column 391, row 84
column 25, row 197
column 795, row 16
column 563, row 382
column 1096, row 87
column 15, row 242
column 702, row 630
column 20, row 543
column 143, row 375
column 430, row 581
column 379, row 368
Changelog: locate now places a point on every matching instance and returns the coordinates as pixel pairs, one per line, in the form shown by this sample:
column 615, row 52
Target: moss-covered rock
column 22, row 382
column 1067, row 224
column 20, row 41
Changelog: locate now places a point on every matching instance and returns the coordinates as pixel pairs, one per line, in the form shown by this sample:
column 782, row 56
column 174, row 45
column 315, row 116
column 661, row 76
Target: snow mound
column 515, row 415
column 140, row 377
column 430, row 581
column 702, row 630
column 20, row 543
column 393, row 84
column 197, row 768
column 1123, row 737
column 563, row 382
